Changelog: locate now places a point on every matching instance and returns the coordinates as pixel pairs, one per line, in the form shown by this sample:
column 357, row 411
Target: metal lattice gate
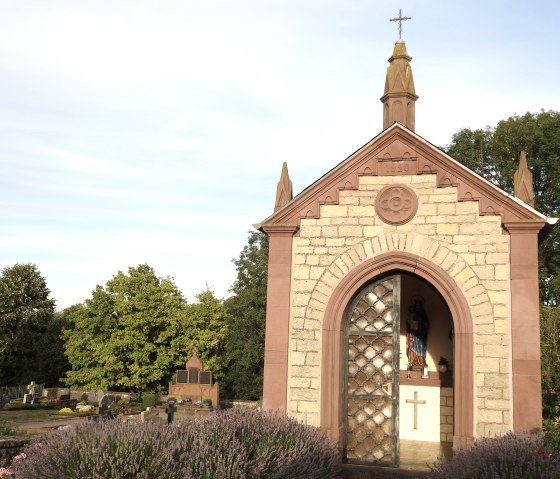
column 373, row 375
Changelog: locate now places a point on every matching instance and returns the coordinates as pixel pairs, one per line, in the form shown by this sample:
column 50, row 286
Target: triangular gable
column 399, row 151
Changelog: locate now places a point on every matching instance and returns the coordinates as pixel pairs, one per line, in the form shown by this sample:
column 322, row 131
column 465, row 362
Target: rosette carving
column 396, row 204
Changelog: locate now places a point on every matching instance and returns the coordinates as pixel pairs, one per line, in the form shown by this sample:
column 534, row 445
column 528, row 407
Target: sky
column 136, row 131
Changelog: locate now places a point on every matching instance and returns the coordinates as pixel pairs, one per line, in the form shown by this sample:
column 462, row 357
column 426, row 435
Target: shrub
column 15, row 405
column 512, row 456
column 8, row 471
column 207, row 401
column 552, row 436
column 18, row 406
column 66, row 410
column 235, row 444
column 6, row 429
column 149, row 400
column 120, row 407
column 136, row 407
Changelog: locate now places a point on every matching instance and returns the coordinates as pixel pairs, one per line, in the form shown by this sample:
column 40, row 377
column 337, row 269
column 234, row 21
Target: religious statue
column 417, row 326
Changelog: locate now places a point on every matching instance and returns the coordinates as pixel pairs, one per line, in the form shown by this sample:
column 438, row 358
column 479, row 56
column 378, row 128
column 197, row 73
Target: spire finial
column 399, row 97
column 523, row 181
column 284, row 189
column 400, row 19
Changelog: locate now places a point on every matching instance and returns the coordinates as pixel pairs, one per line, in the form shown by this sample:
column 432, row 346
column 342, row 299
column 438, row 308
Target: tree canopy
column 31, row 345
column 494, row 152
column 243, row 355
column 550, row 359
column 137, row 330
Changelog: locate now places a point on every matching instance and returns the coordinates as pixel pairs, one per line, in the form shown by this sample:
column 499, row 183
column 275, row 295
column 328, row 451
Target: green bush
column 552, row 436
column 6, row 429
column 512, row 456
column 149, row 400
column 19, row 406
column 234, row 444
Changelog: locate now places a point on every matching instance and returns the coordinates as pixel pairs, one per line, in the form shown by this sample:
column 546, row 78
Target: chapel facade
column 403, row 298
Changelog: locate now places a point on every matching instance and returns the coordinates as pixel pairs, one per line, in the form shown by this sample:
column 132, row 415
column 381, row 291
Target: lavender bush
column 512, row 456
column 233, row 444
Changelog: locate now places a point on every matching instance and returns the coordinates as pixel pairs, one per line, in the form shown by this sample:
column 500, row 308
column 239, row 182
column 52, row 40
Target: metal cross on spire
column 400, row 19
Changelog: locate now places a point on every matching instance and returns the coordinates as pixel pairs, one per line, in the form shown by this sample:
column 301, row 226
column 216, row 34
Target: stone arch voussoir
column 412, row 243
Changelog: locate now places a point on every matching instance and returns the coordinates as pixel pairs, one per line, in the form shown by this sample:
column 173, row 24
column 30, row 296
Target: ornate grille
column 373, row 374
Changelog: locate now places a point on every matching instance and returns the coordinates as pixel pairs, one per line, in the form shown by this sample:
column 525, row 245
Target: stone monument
column 194, row 383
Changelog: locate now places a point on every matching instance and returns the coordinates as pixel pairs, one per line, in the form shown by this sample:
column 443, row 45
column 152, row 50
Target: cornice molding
column 524, row 227
column 279, row 229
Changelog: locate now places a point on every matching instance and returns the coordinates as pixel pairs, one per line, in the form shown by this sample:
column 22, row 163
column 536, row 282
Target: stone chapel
column 403, row 300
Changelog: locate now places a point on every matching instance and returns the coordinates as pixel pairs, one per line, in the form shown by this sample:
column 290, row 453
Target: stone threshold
column 353, row 471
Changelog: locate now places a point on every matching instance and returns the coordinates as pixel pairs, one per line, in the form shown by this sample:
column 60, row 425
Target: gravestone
column 33, row 392
column 171, row 409
column 51, row 393
column 106, row 401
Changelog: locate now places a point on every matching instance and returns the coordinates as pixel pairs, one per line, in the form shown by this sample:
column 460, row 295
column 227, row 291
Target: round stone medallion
column 396, row 204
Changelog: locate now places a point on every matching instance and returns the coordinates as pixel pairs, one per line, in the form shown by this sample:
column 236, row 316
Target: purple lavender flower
column 234, row 444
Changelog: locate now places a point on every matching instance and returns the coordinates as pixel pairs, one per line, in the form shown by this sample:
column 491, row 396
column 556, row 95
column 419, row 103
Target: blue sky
column 154, row 131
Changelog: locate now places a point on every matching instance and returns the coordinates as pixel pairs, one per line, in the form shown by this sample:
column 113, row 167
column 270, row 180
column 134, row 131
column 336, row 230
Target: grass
column 36, row 415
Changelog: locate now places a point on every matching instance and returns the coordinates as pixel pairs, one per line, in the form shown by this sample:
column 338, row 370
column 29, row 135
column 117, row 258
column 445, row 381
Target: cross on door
column 415, row 401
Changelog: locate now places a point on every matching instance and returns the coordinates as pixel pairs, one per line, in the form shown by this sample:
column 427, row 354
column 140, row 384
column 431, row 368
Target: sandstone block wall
column 472, row 249
column 446, row 415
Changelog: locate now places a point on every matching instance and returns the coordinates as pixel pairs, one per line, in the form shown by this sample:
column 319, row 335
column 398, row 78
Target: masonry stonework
column 471, row 248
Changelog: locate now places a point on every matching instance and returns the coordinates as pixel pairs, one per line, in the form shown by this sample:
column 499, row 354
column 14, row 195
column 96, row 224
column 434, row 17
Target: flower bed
column 512, row 456
column 234, row 444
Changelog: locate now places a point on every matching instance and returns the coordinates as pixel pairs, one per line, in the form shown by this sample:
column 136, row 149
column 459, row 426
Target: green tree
column 119, row 338
column 472, row 148
column 494, row 153
column 201, row 326
column 550, row 359
column 135, row 332
column 243, row 356
column 31, row 346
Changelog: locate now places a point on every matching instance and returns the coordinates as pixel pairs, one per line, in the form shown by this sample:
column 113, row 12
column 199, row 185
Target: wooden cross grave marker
column 415, row 401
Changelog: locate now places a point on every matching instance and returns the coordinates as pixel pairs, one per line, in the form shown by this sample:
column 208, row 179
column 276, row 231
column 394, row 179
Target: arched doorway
column 334, row 341
column 398, row 375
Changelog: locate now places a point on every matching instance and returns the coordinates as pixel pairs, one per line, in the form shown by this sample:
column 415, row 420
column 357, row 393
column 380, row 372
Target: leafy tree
column 472, row 148
column 137, row 330
column 550, row 359
column 494, row 153
column 201, row 326
column 243, row 356
column 119, row 337
column 31, row 346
